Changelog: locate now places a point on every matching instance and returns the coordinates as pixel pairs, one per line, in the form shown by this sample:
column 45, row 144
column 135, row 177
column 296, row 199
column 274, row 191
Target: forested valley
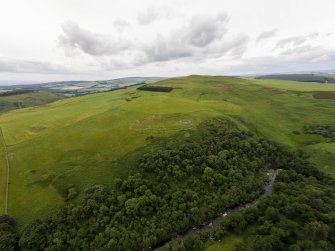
column 182, row 182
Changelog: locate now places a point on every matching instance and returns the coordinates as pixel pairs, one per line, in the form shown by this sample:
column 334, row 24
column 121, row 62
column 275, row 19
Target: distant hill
column 18, row 99
column 27, row 95
column 320, row 78
column 77, row 88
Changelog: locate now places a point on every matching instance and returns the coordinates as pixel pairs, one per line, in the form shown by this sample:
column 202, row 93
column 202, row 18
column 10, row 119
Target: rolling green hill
column 71, row 144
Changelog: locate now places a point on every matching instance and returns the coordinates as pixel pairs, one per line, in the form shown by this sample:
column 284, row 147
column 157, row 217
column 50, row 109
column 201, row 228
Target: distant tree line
column 15, row 92
column 155, row 88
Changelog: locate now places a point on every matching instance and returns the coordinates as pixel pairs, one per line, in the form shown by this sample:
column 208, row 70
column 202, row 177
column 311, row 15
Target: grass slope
column 78, row 142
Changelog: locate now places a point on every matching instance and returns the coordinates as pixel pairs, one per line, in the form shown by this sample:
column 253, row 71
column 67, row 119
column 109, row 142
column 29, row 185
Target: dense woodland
column 14, row 92
column 300, row 215
column 8, row 233
column 155, row 88
column 186, row 182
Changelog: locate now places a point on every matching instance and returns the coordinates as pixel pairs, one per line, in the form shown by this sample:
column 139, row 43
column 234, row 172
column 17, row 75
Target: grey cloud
column 297, row 50
column 31, row 66
column 231, row 46
column 147, row 16
column 204, row 30
column 199, row 37
column 163, row 49
column 75, row 37
column 295, row 40
column 266, row 35
column 239, row 46
column 120, row 24
column 192, row 39
column 313, row 59
column 152, row 14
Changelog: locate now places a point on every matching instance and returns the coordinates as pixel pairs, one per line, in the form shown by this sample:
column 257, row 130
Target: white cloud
column 203, row 30
column 31, row 66
column 120, row 24
column 198, row 36
column 75, row 37
column 267, row 34
column 106, row 39
column 152, row 14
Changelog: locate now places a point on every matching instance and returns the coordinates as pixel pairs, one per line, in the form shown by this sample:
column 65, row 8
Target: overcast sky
column 47, row 40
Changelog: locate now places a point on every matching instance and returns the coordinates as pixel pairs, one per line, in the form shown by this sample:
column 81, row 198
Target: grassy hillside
column 78, row 142
column 23, row 100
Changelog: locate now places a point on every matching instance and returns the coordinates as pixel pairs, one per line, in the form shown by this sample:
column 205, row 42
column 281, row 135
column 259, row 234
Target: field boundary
column 2, row 139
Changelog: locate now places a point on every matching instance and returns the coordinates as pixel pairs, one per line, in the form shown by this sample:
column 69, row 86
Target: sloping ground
column 77, row 142
column 323, row 155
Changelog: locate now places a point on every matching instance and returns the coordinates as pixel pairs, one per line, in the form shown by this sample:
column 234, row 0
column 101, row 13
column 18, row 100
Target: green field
column 78, row 142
